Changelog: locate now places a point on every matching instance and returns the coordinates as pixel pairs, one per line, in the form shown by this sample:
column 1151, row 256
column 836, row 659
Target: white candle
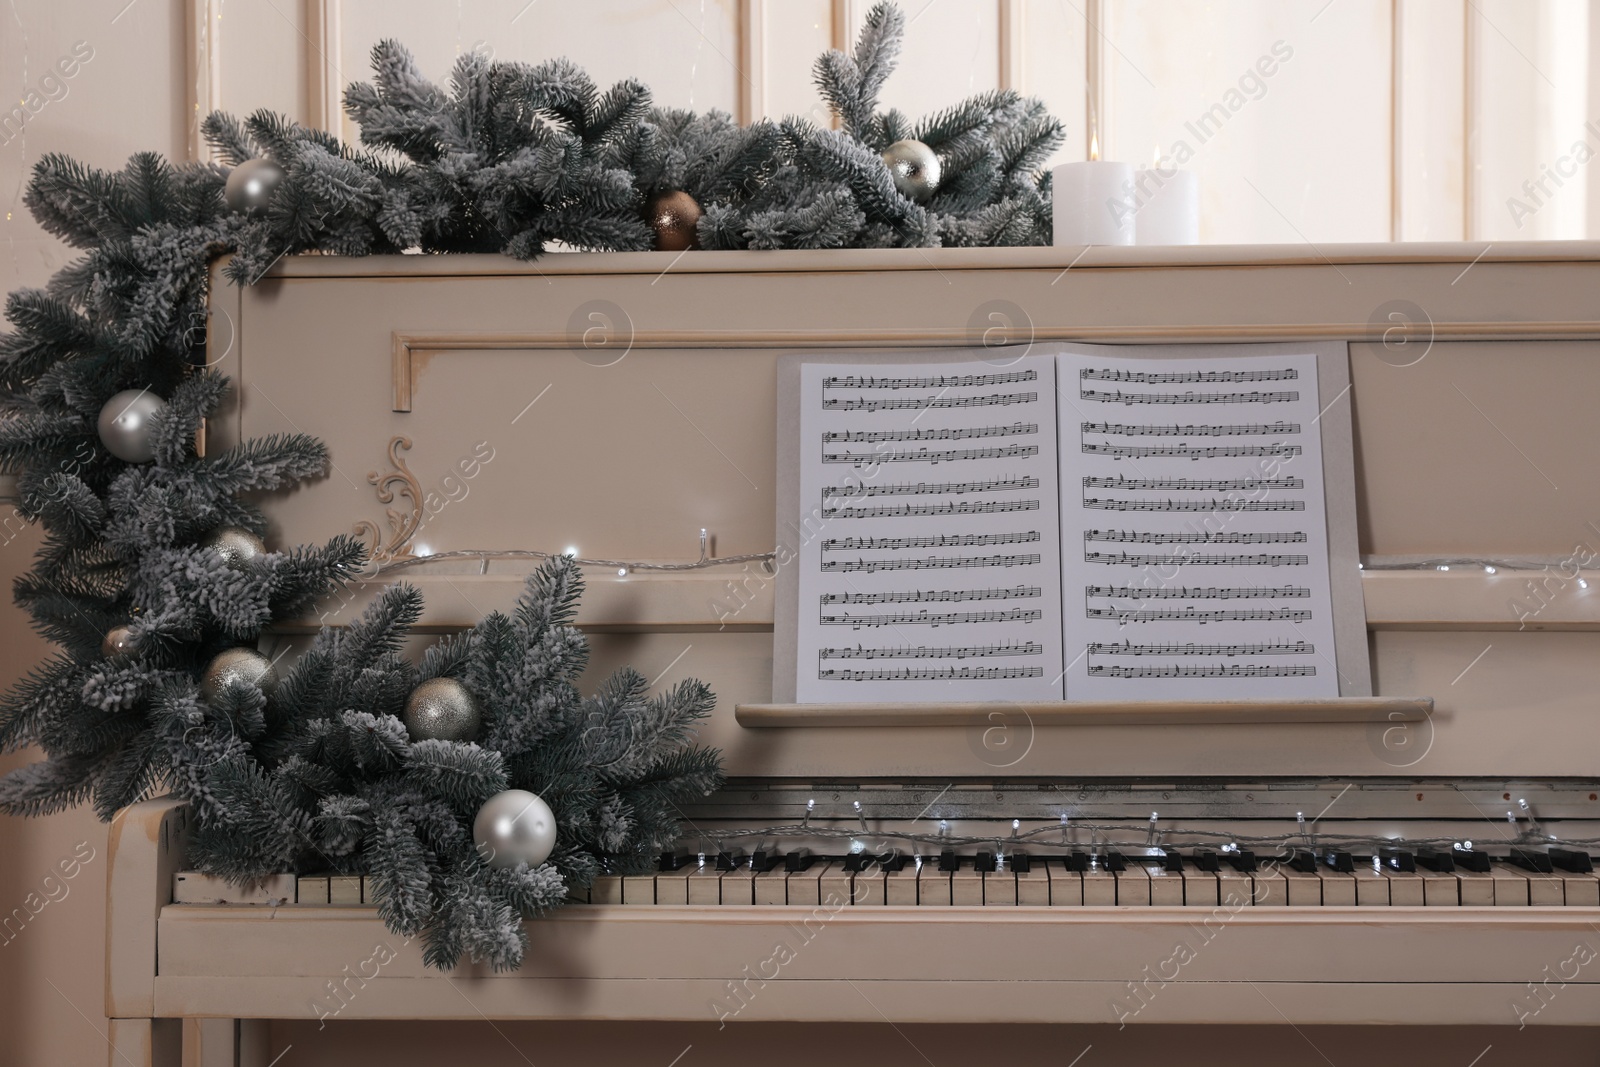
column 1168, row 201
column 1091, row 204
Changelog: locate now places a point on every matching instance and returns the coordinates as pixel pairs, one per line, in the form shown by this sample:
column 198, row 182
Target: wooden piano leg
column 225, row 1043
column 145, row 1043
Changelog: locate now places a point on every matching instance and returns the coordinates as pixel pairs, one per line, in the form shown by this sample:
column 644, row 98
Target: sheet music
column 1194, row 550
column 930, row 540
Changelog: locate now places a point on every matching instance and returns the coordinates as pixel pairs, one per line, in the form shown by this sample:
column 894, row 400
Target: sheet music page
column 1194, row 535
column 929, row 540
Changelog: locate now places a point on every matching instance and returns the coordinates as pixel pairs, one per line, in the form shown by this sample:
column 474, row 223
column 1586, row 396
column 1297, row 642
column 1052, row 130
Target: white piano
column 1420, row 857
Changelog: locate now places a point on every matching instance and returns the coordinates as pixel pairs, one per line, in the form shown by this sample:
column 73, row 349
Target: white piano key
column 1477, row 890
column 1271, row 888
column 1166, row 888
column 672, row 887
column 1000, row 888
column 344, row 889
column 1033, row 886
column 1338, row 889
column 1066, row 887
column 1200, row 889
column 705, row 885
column 638, row 889
column 804, row 888
column 900, row 887
column 1440, row 890
column 1407, row 889
column 312, row 889
column 1235, row 888
column 933, row 885
column 1510, row 887
column 966, row 887
column 836, row 885
column 1372, row 888
column 738, row 887
column 606, row 889
column 1546, row 890
column 1099, row 888
column 1582, row 890
column 771, row 886
column 1304, row 889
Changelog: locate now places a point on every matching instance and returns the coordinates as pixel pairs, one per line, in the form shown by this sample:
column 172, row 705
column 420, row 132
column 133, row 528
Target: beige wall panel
column 951, row 51
column 687, row 52
column 1267, row 160
column 1053, row 68
column 1432, row 120
column 266, row 50
column 797, row 32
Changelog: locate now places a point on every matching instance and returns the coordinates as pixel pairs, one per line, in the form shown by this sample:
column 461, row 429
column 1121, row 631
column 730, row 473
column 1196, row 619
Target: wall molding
column 752, row 70
column 203, row 84
column 324, row 83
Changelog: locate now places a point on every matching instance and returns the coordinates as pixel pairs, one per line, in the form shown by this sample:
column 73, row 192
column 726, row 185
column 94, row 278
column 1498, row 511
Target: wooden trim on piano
column 1358, row 710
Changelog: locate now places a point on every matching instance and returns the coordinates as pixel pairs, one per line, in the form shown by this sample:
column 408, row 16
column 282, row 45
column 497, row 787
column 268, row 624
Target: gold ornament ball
column 441, row 709
column 916, row 169
column 673, row 216
column 236, row 546
column 237, row 665
column 119, row 642
column 251, row 184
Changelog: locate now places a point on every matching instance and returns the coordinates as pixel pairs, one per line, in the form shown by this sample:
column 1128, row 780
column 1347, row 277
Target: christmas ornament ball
column 238, row 665
column 124, row 425
column 673, row 216
column 441, row 709
column 251, row 184
column 514, row 827
column 236, row 546
column 915, row 168
column 119, row 641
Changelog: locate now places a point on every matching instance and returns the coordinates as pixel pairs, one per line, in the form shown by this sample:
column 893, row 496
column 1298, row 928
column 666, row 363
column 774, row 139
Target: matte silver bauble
column 236, row 546
column 251, row 184
column 238, row 665
column 514, row 827
column 119, row 641
column 441, row 709
column 915, row 168
column 125, row 425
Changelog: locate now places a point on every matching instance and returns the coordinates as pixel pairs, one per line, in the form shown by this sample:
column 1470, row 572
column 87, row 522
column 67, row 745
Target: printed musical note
column 1227, row 670
column 873, row 566
column 923, row 455
column 924, row 618
column 1184, row 592
column 887, row 544
column 1152, row 615
column 1253, row 429
column 1188, row 451
column 1214, row 505
column 939, row 381
column 920, row 403
column 934, row 596
column 1189, row 648
column 1196, row 537
column 949, row 433
column 1028, row 648
column 1185, row 484
column 1132, row 560
column 934, row 674
column 1117, row 396
column 1286, row 374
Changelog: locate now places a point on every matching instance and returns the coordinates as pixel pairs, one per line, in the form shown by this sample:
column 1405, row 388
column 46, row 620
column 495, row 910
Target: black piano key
column 949, row 861
column 1471, row 859
column 1241, row 860
column 1397, row 859
column 1342, row 862
column 1172, row 863
column 1078, row 862
column 730, row 859
column 856, row 862
column 672, row 861
column 1529, row 860
column 1438, row 862
column 1114, row 861
column 985, row 862
column 798, row 860
column 1021, row 862
column 893, row 861
column 1305, row 862
column 1568, row 860
column 763, row 860
column 1206, row 861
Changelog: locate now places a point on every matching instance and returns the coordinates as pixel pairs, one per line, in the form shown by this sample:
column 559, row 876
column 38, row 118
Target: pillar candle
column 1092, row 205
column 1170, row 213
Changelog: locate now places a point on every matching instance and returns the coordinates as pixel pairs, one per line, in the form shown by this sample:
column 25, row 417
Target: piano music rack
column 1356, row 710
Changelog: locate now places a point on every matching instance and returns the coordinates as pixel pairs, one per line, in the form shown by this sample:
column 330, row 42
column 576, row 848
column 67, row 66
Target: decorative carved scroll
column 403, row 525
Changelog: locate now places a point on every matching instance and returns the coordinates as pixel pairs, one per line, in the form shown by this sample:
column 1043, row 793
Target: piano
column 1424, row 856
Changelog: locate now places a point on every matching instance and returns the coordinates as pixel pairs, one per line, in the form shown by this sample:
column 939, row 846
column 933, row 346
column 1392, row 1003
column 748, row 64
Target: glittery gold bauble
column 916, row 169
column 236, row 546
column 237, row 665
column 441, row 709
column 119, row 641
column 673, row 216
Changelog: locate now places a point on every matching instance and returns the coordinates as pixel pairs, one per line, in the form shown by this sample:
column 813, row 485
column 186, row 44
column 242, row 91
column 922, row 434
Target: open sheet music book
column 1077, row 522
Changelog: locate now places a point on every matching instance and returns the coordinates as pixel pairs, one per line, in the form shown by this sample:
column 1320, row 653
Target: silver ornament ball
column 441, row 709
column 916, row 169
column 251, row 184
column 119, row 641
column 514, row 827
column 238, row 665
column 236, row 546
column 125, row 425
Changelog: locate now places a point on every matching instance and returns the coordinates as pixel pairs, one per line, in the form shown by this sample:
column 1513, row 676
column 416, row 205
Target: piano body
column 1392, row 860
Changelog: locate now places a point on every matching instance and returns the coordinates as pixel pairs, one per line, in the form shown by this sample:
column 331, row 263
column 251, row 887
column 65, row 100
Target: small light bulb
column 1489, row 570
column 571, row 550
column 944, row 827
column 856, row 847
column 622, row 572
column 1361, row 566
column 702, row 859
column 1444, row 566
column 1377, row 864
column 811, row 805
column 1583, row 583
